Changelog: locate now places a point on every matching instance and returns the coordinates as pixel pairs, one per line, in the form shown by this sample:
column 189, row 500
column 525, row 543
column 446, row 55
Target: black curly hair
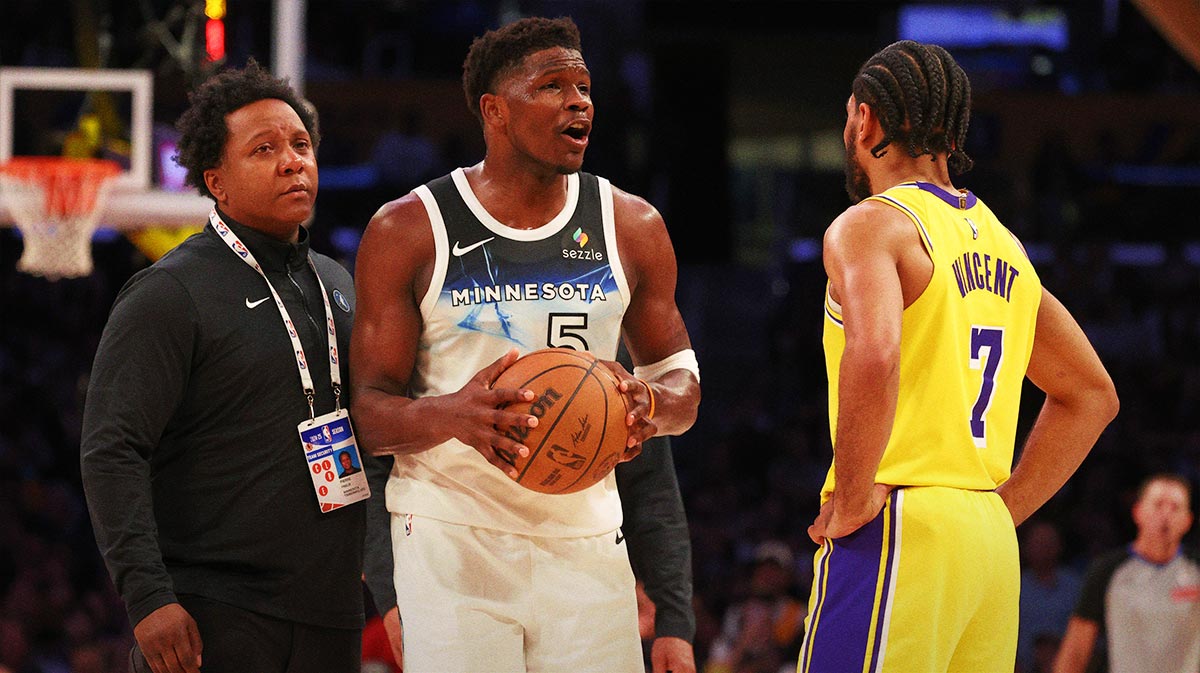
column 497, row 51
column 202, row 125
column 923, row 99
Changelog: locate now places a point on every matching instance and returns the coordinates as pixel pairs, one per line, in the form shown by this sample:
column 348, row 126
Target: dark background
column 727, row 116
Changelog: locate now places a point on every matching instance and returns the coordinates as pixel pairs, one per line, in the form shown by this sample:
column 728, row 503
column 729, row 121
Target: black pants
column 238, row 641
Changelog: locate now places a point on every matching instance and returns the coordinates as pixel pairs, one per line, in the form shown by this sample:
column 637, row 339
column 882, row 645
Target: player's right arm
column 1080, row 402
column 393, row 267
column 863, row 253
column 1075, row 651
column 139, row 376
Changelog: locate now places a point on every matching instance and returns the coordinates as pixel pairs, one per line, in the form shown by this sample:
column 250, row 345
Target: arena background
column 727, row 116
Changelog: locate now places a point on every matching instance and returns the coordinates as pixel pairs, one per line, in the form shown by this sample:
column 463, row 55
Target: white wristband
column 684, row 359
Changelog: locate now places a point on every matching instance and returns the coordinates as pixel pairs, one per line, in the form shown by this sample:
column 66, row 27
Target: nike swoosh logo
column 252, row 304
column 459, row 252
column 619, row 536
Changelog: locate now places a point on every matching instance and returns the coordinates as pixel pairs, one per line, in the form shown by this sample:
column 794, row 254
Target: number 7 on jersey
column 987, row 350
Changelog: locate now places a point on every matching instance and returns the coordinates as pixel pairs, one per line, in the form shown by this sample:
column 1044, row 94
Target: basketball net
column 56, row 203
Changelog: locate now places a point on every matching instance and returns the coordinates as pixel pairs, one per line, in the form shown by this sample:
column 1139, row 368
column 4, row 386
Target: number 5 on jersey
column 565, row 330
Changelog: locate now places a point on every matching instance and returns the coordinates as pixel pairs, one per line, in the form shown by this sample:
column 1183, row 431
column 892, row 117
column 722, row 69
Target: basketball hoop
column 56, row 202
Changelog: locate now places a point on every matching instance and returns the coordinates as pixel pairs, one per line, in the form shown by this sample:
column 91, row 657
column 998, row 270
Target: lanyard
column 235, row 244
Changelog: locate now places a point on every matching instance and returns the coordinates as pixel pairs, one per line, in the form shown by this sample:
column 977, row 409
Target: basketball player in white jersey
column 455, row 280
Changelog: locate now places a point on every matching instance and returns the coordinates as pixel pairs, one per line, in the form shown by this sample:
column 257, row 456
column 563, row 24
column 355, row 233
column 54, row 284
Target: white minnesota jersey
column 495, row 287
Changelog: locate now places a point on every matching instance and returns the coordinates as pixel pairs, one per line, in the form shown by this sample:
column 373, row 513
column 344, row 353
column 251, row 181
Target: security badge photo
column 333, row 460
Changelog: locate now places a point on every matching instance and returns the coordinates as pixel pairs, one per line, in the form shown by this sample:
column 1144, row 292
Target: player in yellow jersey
column 934, row 317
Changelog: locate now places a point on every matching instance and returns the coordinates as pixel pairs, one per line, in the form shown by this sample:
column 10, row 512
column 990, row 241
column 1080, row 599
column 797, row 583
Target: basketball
column 581, row 431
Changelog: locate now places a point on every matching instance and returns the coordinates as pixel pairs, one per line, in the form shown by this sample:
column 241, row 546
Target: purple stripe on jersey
column 888, row 562
column 821, row 569
column 839, row 643
column 833, row 317
column 908, row 211
column 952, row 199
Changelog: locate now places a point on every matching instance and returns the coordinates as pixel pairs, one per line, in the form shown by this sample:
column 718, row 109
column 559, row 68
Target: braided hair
column 496, row 52
column 922, row 98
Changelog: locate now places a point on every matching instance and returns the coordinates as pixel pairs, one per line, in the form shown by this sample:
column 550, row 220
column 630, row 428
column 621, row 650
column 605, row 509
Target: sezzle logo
column 580, row 237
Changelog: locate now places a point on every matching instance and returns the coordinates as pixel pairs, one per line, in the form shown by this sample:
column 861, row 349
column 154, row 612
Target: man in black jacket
column 216, row 410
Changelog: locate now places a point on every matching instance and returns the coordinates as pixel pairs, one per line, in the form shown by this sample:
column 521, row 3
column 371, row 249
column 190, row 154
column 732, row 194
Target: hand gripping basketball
column 640, row 402
column 581, row 432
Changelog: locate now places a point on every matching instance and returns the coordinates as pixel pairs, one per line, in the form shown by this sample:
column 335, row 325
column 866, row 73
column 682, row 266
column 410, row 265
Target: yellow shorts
column 932, row 584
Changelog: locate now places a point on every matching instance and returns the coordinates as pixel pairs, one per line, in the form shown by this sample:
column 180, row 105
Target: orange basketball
column 581, row 431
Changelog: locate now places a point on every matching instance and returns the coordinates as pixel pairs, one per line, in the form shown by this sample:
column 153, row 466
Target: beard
column 858, row 185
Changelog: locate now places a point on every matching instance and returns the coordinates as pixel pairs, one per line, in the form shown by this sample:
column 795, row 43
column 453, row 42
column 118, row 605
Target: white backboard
column 138, row 83
column 135, row 200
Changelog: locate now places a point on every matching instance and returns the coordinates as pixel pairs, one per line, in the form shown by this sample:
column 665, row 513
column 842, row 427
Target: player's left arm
column 1080, row 403
column 653, row 328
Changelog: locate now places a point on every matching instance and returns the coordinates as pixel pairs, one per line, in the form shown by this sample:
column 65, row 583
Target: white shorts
column 474, row 600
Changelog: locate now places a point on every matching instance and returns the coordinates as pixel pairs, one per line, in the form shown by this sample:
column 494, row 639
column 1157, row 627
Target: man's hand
column 170, row 640
column 638, row 396
column 839, row 517
column 672, row 655
column 391, row 624
column 476, row 419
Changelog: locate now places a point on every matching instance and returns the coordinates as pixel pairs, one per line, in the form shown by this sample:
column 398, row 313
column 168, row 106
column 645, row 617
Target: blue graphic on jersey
column 495, row 298
column 503, row 318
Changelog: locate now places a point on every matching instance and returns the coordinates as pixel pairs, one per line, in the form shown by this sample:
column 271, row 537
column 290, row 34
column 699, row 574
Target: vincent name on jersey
column 975, row 271
column 526, row 292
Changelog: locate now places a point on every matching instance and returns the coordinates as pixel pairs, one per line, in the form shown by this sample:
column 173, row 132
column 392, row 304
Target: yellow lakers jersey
column 964, row 347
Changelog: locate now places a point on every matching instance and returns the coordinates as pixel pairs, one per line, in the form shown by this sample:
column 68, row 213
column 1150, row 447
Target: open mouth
column 577, row 131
